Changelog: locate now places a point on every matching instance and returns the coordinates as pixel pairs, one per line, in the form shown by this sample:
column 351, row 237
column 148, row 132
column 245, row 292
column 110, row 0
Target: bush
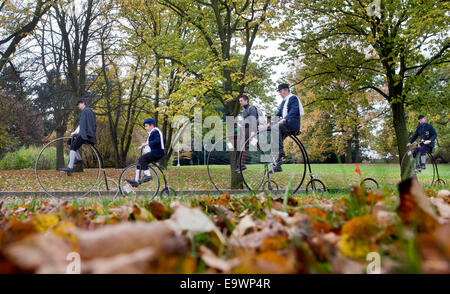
column 25, row 158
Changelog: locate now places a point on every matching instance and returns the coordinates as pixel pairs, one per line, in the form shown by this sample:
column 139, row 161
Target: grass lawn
column 196, row 177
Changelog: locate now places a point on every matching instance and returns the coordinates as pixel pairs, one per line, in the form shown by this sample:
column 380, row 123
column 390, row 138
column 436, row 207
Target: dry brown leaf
column 136, row 262
column 38, row 252
column 270, row 228
column 415, row 207
column 443, row 208
column 159, row 210
column 245, row 225
column 444, row 194
column 122, row 238
column 122, row 212
column 193, row 220
column 17, row 230
column 213, row 261
column 268, row 262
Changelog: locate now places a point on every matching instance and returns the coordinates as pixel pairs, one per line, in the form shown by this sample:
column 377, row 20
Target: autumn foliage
column 228, row 234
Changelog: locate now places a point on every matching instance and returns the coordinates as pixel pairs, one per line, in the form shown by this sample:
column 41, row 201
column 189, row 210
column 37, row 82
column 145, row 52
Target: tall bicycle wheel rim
column 407, row 165
column 147, row 188
column 261, row 159
column 55, row 154
column 409, row 168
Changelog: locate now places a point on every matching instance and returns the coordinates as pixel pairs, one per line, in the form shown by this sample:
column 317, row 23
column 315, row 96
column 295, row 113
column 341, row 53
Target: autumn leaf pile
column 262, row 233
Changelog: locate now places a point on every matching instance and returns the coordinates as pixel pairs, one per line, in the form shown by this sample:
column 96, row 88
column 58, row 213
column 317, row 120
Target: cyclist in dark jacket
column 251, row 116
column 289, row 113
column 84, row 134
column 153, row 152
column 427, row 135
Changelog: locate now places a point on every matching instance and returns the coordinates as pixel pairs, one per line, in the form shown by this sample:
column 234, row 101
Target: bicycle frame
column 436, row 178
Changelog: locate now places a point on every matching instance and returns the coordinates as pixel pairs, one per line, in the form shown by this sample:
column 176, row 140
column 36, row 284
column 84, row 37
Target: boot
column 133, row 183
column 68, row 170
column 146, row 179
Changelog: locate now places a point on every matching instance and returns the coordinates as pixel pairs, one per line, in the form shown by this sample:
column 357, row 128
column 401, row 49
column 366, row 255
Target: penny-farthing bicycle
column 89, row 176
column 410, row 164
column 149, row 188
column 257, row 165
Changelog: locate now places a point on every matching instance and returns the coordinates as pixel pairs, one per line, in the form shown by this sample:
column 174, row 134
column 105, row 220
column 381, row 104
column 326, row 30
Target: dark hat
column 82, row 100
column 420, row 117
column 149, row 121
column 283, row 86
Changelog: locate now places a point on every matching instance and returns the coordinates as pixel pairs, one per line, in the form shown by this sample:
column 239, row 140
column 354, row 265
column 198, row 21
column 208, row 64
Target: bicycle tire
column 294, row 157
column 369, row 180
column 38, row 169
column 130, row 172
column 311, row 185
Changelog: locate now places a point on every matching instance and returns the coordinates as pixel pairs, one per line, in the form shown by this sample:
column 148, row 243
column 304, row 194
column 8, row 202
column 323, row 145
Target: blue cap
column 283, row 86
column 149, row 121
column 82, row 100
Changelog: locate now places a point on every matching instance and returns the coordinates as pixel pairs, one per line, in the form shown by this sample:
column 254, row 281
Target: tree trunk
column 398, row 113
column 348, row 153
column 60, row 149
column 236, row 179
column 357, row 146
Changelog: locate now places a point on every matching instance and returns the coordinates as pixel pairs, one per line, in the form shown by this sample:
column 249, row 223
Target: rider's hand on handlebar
column 409, row 144
column 73, row 134
column 427, row 142
column 283, row 121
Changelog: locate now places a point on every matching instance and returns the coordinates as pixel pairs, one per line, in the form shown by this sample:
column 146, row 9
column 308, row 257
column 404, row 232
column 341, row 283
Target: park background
column 363, row 69
column 362, row 81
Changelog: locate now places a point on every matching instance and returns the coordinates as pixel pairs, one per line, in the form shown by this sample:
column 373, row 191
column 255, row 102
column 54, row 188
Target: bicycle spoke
column 260, row 162
column 54, row 155
column 146, row 186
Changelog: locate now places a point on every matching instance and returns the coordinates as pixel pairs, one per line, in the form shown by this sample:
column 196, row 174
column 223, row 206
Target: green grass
column 333, row 175
column 189, row 178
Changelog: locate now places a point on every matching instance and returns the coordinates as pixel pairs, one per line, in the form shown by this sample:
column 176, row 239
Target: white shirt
column 147, row 148
column 285, row 110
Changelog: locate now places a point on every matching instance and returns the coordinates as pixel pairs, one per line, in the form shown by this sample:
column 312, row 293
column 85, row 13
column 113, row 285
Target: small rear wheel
column 108, row 187
column 369, row 184
column 168, row 192
column 316, row 185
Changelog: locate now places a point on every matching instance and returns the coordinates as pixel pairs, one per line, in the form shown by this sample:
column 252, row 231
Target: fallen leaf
column 245, row 225
column 121, row 238
column 194, row 220
column 415, row 207
column 136, row 262
column 213, row 261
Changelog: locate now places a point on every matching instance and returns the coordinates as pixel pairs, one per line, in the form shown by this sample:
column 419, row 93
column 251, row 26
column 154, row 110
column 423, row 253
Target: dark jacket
column 88, row 125
column 155, row 144
column 425, row 132
column 293, row 115
column 250, row 110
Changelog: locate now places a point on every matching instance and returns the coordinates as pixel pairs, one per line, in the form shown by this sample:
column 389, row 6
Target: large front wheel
column 149, row 188
column 54, row 155
column 258, row 163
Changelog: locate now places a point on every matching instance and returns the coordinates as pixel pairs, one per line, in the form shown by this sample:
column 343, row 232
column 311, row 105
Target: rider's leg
column 142, row 168
column 423, row 154
column 75, row 144
column 240, row 165
column 144, row 161
column 284, row 132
